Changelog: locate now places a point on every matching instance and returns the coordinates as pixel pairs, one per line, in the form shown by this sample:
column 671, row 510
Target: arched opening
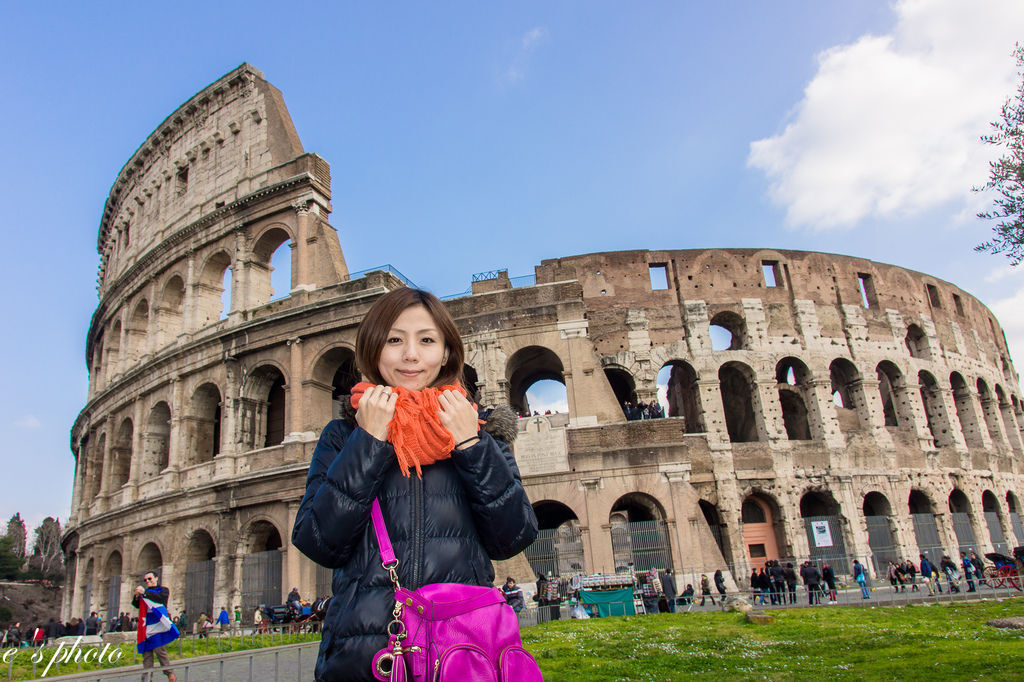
column 170, row 320
column 94, row 472
column 640, row 539
column 990, row 410
column 917, row 343
column 200, row 570
column 261, row 567
column 97, row 363
column 761, row 535
column 727, row 331
column 824, row 524
column 213, row 286
column 877, row 516
column 990, row 507
column 718, row 528
column 111, row 585
column 113, row 346
column 892, row 390
column 137, row 332
column 1009, row 422
column 624, row 388
column 847, row 394
column 737, row 387
column 528, row 367
column 960, row 511
column 679, row 395
column 270, row 272
column 794, row 386
column 334, row 375
column 121, row 455
column 922, row 514
column 1013, row 507
column 157, row 441
column 965, row 410
column 87, row 578
column 263, row 407
column 558, row 549
column 471, row 383
column 934, row 411
column 203, row 425
column 150, row 559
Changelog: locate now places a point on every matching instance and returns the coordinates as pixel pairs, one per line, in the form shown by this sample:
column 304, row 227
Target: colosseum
column 815, row 405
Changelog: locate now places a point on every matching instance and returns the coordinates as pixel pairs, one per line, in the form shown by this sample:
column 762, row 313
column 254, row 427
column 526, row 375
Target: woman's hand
column 459, row 416
column 376, row 409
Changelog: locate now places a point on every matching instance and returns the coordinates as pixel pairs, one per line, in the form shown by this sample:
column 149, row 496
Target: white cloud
column 28, row 422
column 1010, row 313
column 889, row 125
column 528, row 44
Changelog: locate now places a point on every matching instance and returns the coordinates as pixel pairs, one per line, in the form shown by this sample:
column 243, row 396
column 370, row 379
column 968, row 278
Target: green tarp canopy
column 610, row 602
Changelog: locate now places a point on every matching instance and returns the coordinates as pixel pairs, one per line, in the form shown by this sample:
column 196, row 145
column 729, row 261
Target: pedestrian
column 464, row 485
column 979, row 567
column 705, row 589
column 686, row 598
column 812, row 579
column 926, row 574
column 910, row 571
column 720, row 583
column 223, row 619
column 790, row 574
column 965, row 561
column 155, row 597
column 778, row 581
column 830, row 582
column 668, row 586
column 952, row 573
column 861, row 578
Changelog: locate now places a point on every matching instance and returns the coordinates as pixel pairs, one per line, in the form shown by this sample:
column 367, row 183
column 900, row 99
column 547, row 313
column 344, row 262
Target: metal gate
column 643, row 543
column 261, row 579
column 995, row 533
column 927, row 534
column 199, row 589
column 558, row 551
column 881, row 542
column 1018, row 528
column 826, row 543
column 113, row 598
column 324, row 576
column 964, row 532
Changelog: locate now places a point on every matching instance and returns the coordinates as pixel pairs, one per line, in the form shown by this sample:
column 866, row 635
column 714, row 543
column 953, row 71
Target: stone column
column 600, row 558
column 294, row 399
column 177, row 455
column 229, row 436
column 302, row 275
column 764, row 397
column 871, row 413
column 291, row 575
column 709, row 393
column 955, row 436
column 189, row 305
column 240, row 296
column 993, row 423
column 828, row 429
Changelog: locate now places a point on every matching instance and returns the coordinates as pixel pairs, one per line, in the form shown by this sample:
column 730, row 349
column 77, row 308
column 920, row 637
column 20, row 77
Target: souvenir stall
column 608, row 594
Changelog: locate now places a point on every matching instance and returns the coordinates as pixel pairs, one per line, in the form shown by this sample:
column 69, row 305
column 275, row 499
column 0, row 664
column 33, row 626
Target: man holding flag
column 156, row 630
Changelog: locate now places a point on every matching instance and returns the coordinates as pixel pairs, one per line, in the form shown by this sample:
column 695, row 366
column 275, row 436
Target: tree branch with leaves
column 1006, row 175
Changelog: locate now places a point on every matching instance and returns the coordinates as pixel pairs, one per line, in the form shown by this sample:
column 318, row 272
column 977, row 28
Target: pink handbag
column 449, row 632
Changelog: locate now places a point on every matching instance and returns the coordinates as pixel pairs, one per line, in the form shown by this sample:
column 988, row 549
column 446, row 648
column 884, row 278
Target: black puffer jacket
column 445, row 528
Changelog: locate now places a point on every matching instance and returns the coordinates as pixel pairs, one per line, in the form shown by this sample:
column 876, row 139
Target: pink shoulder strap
column 387, row 553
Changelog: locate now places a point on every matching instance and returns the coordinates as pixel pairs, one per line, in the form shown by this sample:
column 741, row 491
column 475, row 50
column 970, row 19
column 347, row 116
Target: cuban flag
column 155, row 626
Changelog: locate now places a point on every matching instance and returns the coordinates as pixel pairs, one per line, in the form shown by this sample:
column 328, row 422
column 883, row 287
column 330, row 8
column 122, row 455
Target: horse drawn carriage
column 1005, row 571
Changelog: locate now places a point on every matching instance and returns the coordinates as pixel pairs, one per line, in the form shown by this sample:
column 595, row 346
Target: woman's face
column 413, row 352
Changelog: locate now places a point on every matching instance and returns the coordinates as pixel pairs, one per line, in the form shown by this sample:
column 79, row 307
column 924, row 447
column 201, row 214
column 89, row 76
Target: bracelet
column 459, row 445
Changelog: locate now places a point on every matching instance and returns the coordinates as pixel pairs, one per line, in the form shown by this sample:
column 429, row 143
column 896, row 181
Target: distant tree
column 1006, row 175
column 10, row 564
column 18, row 534
column 46, row 549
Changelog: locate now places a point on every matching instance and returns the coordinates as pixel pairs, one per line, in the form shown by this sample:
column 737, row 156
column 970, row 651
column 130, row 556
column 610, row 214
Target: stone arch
column 926, row 531
column 170, row 317
column 762, row 532
column 934, row 409
column 558, row 549
column 989, row 408
column 623, row 386
column 1006, row 411
column 203, row 424
column 94, row 471
column 737, row 387
column 98, row 361
column 121, row 455
column 156, row 442
column 200, row 571
column 919, row 502
column 731, row 323
column 261, row 564
column 847, row 394
column 917, row 343
column 964, row 403
column 88, row 575
column 262, row 535
column 825, row 526
column 264, row 407
column 892, row 389
column 113, row 349
column 994, row 522
column 719, row 529
column 334, row 374
column 110, row 585
column 795, row 392
column 963, row 528
column 682, row 395
column 200, row 546
column 1013, row 507
column 264, row 251
column 639, row 533
column 150, row 558
column 210, row 289
column 526, row 367
column 137, row 332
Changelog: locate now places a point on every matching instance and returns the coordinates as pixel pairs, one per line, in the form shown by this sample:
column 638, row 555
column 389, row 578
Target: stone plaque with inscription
column 541, row 449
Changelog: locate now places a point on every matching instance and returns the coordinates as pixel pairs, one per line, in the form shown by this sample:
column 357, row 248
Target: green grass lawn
column 934, row 643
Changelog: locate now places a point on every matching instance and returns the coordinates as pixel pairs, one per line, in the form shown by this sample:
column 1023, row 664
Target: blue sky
column 497, row 135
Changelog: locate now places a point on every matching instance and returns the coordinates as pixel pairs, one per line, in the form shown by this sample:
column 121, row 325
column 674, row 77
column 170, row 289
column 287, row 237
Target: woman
column 705, row 589
column 449, row 508
column 513, row 594
column 720, row 583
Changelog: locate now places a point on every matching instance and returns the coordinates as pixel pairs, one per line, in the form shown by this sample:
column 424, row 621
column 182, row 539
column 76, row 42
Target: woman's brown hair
column 375, row 327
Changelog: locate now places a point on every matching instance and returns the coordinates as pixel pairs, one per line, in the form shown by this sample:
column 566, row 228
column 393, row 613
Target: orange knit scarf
column 416, row 431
